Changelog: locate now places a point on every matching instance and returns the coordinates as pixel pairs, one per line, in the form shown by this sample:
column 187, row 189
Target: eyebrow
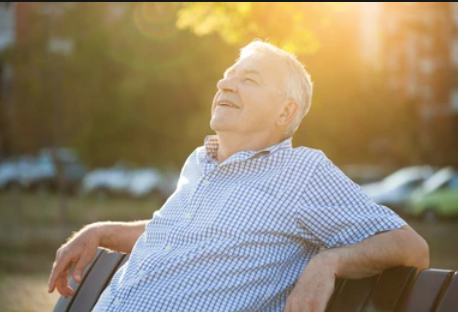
column 246, row 71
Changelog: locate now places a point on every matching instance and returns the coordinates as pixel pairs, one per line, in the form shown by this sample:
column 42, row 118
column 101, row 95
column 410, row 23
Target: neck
column 230, row 143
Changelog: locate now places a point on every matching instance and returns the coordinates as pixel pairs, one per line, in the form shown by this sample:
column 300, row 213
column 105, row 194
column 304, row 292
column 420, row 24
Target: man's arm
column 366, row 258
column 82, row 247
column 119, row 236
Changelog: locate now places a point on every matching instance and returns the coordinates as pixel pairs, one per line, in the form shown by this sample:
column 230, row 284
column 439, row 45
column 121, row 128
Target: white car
column 106, row 182
column 24, row 172
column 395, row 190
column 34, row 170
column 9, row 174
column 144, row 182
column 40, row 172
column 436, row 181
column 119, row 180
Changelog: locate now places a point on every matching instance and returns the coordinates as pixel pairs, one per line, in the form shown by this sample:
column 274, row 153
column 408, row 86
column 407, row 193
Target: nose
column 226, row 84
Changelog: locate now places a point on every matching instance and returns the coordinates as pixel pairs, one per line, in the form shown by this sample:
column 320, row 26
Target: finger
column 51, row 285
column 64, row 289
column 52, row 277
column 60, row 265
column 82, row 263
column 62, row 284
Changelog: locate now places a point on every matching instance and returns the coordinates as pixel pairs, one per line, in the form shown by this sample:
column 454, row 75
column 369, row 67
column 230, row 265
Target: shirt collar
column 211, row 145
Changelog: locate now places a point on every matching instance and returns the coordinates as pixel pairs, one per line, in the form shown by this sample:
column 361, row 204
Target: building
column 416, row 45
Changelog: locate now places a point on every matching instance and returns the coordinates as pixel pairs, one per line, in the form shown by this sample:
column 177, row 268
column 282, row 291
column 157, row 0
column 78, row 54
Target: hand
column 313, row 289
column 80, row 249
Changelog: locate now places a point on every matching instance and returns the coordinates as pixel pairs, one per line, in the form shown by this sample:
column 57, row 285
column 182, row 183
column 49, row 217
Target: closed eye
column 250, row 80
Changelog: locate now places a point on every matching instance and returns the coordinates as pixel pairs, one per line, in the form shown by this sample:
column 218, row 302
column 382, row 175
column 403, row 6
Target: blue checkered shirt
column 236, row 236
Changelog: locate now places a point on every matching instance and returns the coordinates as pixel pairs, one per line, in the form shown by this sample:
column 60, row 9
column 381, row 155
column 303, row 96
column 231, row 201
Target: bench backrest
column 395, row 290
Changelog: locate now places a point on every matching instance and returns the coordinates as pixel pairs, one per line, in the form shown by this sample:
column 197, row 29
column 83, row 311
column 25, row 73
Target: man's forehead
column 247, row 70
column 261, row 65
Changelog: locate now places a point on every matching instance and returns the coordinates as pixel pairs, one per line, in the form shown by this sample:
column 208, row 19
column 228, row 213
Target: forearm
column 377, row 253
column 118, row 236
column 371, row 256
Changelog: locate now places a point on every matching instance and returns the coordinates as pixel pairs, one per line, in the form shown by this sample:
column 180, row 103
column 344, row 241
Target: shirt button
column 206, row 183
column 168, row 248
column 141, row 272
column 116, row 302
column 188, row 215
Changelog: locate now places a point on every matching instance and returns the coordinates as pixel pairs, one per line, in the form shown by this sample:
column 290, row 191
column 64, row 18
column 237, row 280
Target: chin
column 223, row 123
column 220, row 126
column 216, row 124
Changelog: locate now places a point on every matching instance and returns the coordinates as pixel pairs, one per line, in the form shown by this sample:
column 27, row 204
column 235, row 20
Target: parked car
column 20, row 173
column 41, row 173
column 9, row 175
column 55, row 162
column 395, row 190
column 35, row 172
column 104, row 183
column 437, row 198
column 123, row 181
column 144, row 183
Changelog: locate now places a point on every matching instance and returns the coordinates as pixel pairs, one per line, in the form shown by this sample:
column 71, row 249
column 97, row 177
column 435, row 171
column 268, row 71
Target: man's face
column 249, row 96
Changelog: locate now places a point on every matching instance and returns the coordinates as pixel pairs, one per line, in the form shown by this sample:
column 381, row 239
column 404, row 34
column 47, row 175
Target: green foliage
column 139, row 83
column 289, row 25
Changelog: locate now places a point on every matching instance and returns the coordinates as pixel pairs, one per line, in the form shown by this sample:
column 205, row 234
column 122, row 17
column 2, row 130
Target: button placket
column 195, row 204
column 188, row 215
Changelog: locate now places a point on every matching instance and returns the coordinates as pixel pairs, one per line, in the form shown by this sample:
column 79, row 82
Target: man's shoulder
column 195, row 153
column 192, row 159
column 308, row 156
column 317, row 159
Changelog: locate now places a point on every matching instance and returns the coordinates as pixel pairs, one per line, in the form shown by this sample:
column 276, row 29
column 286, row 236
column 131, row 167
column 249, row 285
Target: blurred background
column 101, row 103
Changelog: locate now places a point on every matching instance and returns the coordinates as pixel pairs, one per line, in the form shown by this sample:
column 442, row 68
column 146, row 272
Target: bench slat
column 123, row 261
column 353, row 295
column 93, row 286
column 449, row 302
column 391, row 286
column 395, row 290
column 425, row 291
column 63, row 304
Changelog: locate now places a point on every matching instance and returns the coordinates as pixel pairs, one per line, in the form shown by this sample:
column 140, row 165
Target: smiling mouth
column 227, row 105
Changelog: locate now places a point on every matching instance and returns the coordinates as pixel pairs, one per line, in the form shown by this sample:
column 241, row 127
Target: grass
column 32, row 227
column 25, row 293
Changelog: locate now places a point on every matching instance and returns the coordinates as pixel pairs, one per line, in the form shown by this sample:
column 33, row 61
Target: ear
column 289, row 111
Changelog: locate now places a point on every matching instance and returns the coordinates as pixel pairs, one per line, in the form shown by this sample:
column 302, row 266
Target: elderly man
column 254, row 224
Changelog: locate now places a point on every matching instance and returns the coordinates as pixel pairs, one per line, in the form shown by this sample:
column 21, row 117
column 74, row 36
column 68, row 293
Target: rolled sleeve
column 334, row 211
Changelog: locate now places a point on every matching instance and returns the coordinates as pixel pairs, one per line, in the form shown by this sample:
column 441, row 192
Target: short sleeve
column 334, row 211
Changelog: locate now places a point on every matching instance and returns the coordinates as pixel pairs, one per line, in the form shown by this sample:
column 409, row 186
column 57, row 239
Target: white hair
column 298, row 85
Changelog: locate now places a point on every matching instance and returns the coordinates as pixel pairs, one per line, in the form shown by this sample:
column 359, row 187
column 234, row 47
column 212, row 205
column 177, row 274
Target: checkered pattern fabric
column 236, row 236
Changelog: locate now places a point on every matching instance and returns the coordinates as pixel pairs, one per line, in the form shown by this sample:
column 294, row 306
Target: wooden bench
column 395, row 290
